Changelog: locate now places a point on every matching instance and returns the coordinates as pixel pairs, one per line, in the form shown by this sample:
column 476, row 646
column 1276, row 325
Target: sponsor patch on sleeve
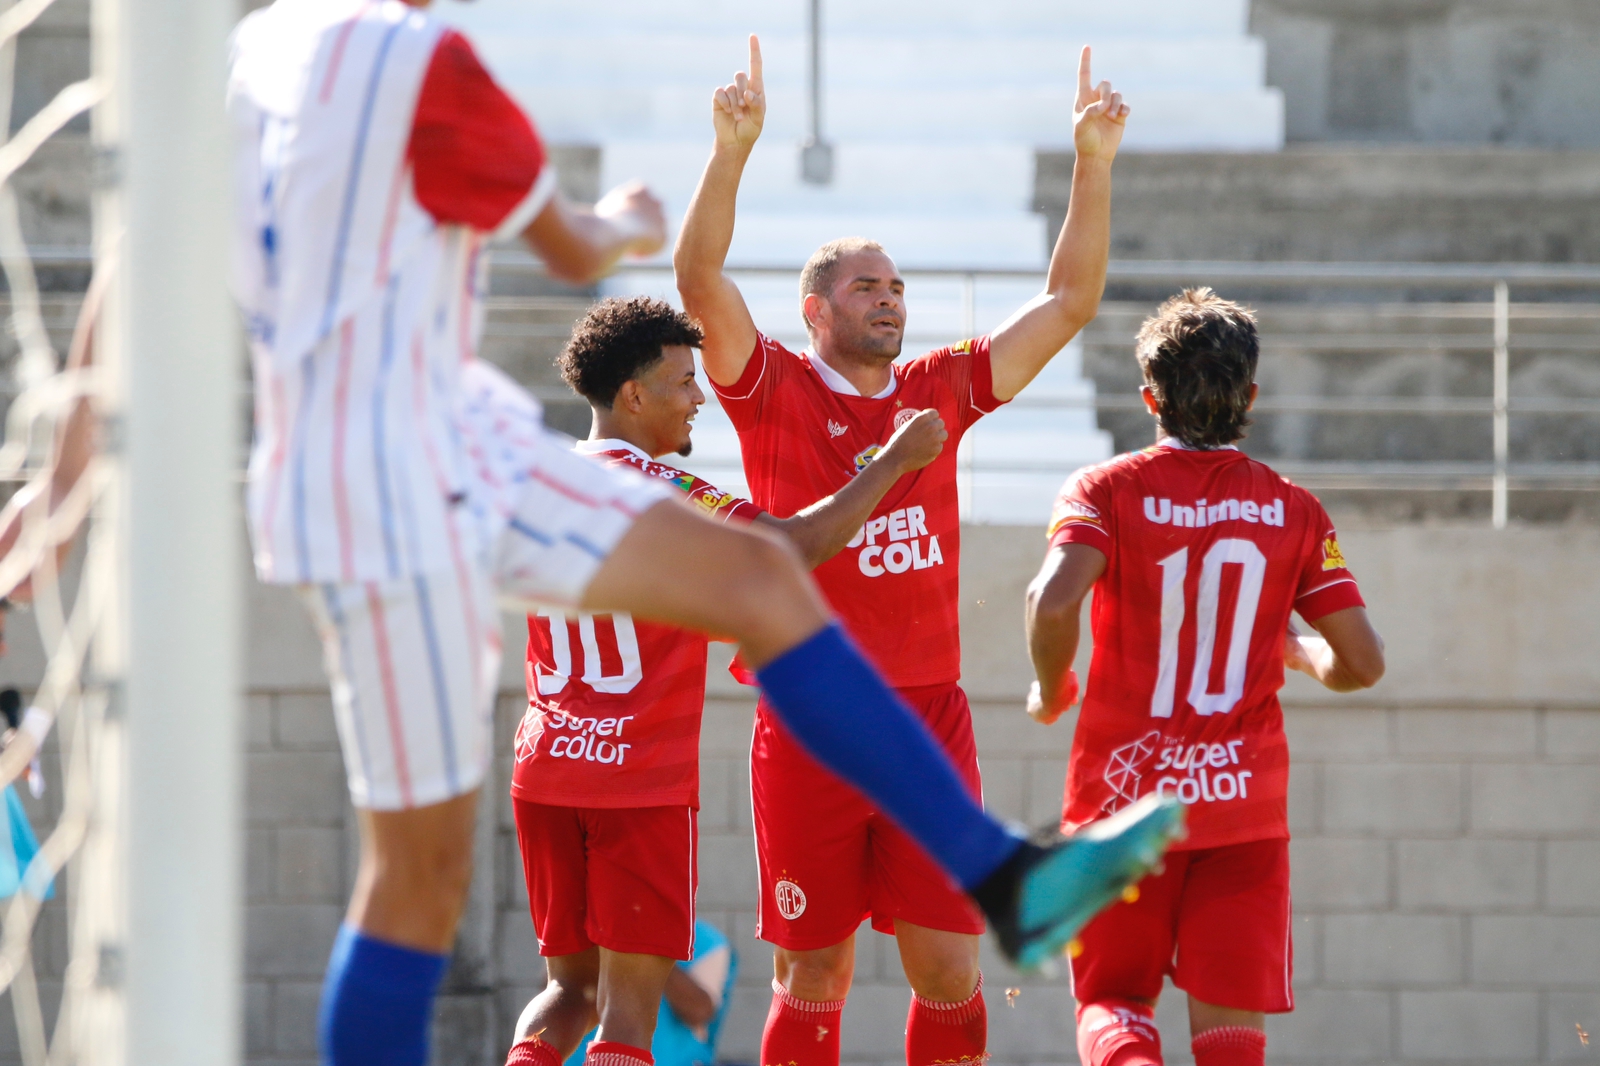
column 1332, row 557
column 1069, row 512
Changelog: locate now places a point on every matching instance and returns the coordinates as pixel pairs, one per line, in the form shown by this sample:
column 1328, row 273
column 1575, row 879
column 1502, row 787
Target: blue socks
column 849, row 720
column 377, row 1002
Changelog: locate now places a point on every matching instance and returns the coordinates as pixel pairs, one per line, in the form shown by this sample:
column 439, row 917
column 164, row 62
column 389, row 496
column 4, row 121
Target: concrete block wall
column 1446, row 852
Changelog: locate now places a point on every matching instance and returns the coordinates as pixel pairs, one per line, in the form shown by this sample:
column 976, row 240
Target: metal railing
column 1496, row 280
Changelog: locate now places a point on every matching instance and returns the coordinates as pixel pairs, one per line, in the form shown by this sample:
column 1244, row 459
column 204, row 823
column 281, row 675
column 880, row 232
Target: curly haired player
column 402, row 487
column 1196, row 554
column 606, row 785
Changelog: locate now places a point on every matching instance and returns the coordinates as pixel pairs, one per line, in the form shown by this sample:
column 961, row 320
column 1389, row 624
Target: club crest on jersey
column 866, row 455
column 790, row 898
column 904, row 415
column 1332, row 557
column 835, row 429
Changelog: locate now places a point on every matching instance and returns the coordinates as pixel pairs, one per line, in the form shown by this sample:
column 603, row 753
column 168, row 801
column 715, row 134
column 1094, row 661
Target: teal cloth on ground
column 17, row 852
column 676, row 1044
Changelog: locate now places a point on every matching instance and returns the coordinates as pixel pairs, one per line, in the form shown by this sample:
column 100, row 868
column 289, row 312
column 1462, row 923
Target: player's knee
column 820, row 976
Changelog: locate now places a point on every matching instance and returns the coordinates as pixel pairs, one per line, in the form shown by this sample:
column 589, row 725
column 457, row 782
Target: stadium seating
column 935, row 109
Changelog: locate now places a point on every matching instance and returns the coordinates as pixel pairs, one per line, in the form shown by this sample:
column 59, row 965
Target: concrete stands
column 935, row 110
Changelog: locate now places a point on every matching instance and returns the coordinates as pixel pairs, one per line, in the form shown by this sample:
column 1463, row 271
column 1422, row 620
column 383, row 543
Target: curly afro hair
column 619, row 339
column 1198, row 355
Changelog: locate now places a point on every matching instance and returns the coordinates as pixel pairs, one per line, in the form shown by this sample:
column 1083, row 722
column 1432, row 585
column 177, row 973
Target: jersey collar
column 841, row 384
column 609, row 444
column 1178, row 446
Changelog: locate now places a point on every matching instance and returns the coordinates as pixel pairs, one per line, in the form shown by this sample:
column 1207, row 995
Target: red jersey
column 1207, row 553
column 896, row 585
column 614, row 705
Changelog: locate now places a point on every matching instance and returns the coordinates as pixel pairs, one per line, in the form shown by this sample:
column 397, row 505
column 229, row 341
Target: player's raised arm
column 1028, row 340
column 710, row 296
column 1345, row 657
column 823, row 530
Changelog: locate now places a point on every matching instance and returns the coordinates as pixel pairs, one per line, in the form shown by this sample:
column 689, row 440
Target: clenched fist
column 917, row 442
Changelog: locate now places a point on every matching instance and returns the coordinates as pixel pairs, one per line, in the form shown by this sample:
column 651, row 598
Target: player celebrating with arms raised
column 807, row 424
column 1197, row 554
column 606, row 785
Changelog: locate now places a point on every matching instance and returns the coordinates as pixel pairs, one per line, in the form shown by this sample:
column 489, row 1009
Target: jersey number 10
column 594, row 674
column 1174, row 569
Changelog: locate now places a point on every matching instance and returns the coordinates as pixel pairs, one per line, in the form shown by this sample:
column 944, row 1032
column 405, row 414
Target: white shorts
column 414, row 662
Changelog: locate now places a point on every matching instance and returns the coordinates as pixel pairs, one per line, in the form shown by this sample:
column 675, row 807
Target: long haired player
column 402, row 486
column 1196, row 555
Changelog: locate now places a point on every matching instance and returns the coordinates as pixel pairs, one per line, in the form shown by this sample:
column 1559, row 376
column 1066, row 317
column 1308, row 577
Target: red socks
column 951, row 1034
column 611, row 1053
column 1230, row 1045
column 533, row 1052
column 1120, row 1033
column 798, row 1032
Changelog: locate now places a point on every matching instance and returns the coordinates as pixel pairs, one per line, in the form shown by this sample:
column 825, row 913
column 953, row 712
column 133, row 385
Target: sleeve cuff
column 544, row 187
column 1324, row 601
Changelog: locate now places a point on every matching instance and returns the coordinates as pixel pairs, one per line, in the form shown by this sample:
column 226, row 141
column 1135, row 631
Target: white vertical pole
column 182, row 359
column 965, row 451
column 1502, row 398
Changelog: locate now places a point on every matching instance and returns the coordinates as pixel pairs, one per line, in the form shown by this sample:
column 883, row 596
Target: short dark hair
column 822, row 269
column 1198, row 354
column 619, row 339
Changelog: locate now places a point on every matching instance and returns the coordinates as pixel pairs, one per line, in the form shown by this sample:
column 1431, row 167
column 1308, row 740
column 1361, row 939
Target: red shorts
column 623, row 878
column 1217, row 920
column 828, row 859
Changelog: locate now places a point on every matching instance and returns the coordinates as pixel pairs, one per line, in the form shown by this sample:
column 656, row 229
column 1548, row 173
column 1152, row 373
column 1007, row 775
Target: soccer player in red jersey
column 606, row 784
column 1196, row 554
column 807, row 424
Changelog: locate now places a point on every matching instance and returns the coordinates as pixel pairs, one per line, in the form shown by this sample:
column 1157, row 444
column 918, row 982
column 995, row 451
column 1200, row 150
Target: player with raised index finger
column 808, row 423
column 1196, row 554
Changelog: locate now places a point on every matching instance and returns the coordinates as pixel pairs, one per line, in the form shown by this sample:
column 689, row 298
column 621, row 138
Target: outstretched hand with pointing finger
column 739, row 109
column 1099, row 117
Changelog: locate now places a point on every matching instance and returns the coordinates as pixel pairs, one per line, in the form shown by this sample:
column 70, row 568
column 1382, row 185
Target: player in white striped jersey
column 402, row 485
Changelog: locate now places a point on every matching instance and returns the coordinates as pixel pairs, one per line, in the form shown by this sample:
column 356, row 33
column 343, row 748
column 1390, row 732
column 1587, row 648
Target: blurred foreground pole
column 163, row 203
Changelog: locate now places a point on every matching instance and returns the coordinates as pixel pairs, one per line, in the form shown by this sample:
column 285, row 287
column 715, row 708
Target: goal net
column 119, row 938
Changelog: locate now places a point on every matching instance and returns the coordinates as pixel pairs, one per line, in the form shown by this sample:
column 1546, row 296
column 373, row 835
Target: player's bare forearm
column 738, row 112
column 1029, row 339
column 1345, row 656
column 692, row 1004
column 710, row 296
column 823, row 530
column 1053, row 611
column 580, row 244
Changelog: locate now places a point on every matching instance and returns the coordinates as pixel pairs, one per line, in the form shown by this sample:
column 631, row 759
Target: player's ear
column 813, row 308
column 1255, row 390
column 630, row 397
column 1150, row 404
